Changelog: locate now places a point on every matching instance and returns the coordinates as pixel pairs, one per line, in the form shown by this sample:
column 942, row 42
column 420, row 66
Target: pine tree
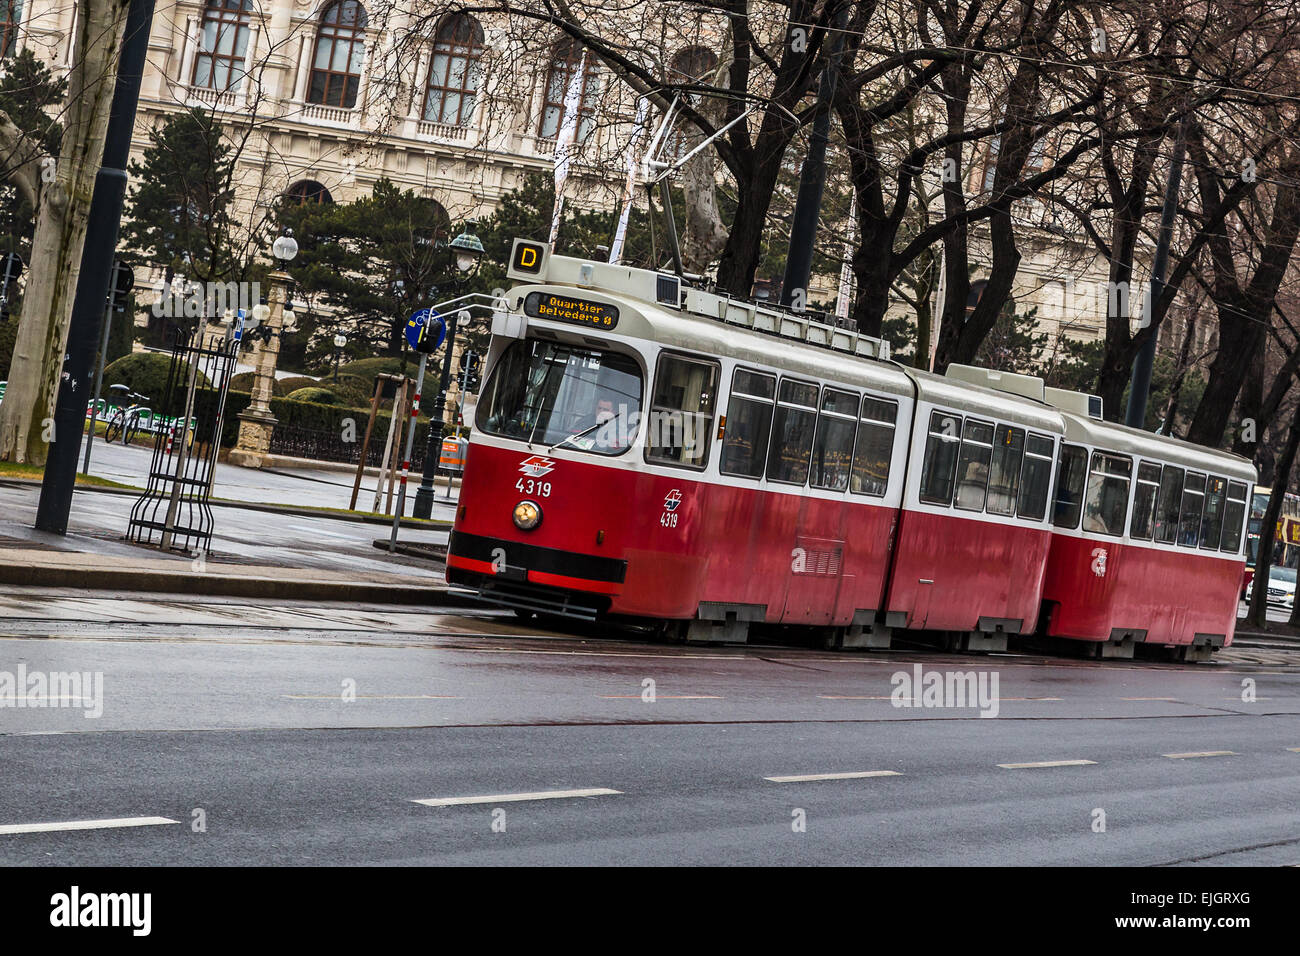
column 178, row 215
column 29, row 94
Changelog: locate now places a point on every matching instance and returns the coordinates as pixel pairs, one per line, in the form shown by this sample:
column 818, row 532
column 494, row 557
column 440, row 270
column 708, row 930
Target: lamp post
column 466, row 252
column 256, row 423
column 340, row 343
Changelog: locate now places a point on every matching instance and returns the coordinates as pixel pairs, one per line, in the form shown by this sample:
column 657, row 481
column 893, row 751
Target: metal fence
column 324, row 445
column 173, row 513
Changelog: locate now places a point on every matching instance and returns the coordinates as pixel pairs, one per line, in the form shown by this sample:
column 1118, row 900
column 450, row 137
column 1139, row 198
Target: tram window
column 1234, row 516
column 1035, row 478
column 681, row 412
column 1144, row 501
column 940, row 465
column 832, row 456
column 1004, row 473
column 553, row 394
column 1106, row 503
column 749, row 424
column 973, row 465
column 793, row 426
column 875, row 448
column 1071, row 475
column 1212, row 522
column 1189, row 527
column 1168, row 503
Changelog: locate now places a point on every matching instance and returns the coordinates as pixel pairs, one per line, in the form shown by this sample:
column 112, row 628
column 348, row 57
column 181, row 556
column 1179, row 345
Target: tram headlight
column 527, row 515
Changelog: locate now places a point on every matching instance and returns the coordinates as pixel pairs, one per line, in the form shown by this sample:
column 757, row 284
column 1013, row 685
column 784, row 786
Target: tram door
column 821, row 435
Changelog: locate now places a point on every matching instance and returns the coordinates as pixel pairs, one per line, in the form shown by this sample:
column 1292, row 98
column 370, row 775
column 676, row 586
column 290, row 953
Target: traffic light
column 123, row 283
column 13, row 268
column 470, row 365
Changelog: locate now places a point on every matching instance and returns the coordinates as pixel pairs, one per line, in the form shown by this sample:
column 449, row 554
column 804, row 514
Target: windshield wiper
column 587, row 431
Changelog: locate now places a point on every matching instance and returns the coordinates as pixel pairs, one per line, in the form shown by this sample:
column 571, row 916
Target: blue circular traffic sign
column 425, row 330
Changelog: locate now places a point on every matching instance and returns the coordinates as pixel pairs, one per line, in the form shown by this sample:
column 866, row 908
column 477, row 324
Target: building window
column 455, row 72
column 12, row 11
column 307, row 191
column 340, row 51
column 223, row 45
column 564, row 61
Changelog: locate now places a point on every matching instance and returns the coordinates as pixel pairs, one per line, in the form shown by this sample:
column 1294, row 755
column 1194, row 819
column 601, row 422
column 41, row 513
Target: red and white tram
column 644, row 450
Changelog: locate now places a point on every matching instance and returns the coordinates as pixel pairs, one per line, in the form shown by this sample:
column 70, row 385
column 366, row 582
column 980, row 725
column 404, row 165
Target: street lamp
column 276, row 316
column 466, row 253
column 340, row 343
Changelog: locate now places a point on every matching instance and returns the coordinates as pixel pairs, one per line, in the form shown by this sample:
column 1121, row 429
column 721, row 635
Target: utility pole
column 812, row 182
column 1140, row 385
column 105, row 218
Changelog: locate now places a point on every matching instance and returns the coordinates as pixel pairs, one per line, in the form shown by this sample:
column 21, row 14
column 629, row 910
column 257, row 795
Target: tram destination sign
column 548, row 305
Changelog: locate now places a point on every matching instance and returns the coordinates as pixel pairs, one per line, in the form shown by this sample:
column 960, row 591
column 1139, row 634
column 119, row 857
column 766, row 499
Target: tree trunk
column 26, row 416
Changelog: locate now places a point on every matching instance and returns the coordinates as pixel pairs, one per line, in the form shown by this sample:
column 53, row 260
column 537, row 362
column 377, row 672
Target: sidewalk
column 258, row 551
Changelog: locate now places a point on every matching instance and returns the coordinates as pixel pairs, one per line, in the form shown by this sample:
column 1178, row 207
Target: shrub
column 243, row 382
column 321, row 396
column 146, row 373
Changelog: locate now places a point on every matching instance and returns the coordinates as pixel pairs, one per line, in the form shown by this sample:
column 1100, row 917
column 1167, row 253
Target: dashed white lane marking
column 1046, row 763
column 85, row 825
column 369, row 697
column 517, row 797
column 858, row 775
column 1201, row 753
column 660, row 697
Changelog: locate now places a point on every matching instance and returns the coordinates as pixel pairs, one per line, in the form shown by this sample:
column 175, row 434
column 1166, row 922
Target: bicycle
column 125, row 421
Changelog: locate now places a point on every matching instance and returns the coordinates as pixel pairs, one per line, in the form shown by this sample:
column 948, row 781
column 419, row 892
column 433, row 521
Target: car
column 1281, row 587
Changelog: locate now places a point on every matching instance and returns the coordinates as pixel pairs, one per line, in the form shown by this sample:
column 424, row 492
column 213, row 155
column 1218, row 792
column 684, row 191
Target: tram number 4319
column 668, row 519
column 531, row 486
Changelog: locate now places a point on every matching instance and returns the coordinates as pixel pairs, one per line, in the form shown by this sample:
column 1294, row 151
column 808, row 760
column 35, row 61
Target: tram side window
column 792, row 432
column 749, row 424
column 681, row 412
column 1168, row 503
column 973, row 465
column 1035, row 478
column 1234, row 516
column 832, row 456
column 1144, row 501
column 1004, row 473
column 1212, row 523
column 940, row 464
column 1106, row 503
column 1071, row 475
column 1189, row 527
column 875, row 447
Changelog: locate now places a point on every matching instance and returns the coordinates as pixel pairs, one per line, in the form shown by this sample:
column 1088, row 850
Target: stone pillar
column 256, row 423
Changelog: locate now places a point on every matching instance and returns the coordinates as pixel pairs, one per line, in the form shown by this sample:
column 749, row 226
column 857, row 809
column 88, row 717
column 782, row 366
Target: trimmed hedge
column 145, row 373
column 314, row 393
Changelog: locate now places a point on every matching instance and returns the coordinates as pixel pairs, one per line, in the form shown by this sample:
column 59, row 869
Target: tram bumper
column 532, row 578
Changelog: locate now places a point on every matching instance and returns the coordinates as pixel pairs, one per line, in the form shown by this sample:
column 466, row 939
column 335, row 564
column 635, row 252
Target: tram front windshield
column 563, row 396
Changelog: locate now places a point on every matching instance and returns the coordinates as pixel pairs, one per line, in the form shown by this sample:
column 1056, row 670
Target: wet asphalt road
column 304, row 734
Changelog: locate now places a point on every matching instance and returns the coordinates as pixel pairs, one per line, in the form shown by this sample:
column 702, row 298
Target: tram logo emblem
column 1099, row 562
column 672, row 500
column 536, row 466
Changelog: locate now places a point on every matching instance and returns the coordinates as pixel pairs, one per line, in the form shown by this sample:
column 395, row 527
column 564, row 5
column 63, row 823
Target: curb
column 230, row 585
column 258, row 506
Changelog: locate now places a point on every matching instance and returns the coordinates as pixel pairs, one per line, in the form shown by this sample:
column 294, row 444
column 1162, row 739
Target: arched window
column 223, row 45
column 340, row 52
column 12, row 13
column 307, row 191
column 455, row 72
column 565, row 58
column 692, row 65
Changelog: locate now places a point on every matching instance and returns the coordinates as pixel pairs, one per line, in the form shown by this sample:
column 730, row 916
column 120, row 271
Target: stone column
column 256, row 423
